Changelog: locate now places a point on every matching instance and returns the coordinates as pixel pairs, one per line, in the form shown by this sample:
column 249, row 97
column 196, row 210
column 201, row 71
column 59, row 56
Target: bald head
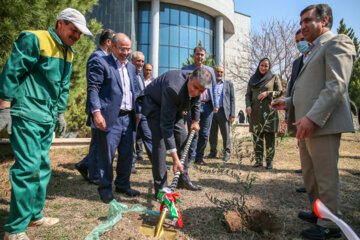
column 121, row 46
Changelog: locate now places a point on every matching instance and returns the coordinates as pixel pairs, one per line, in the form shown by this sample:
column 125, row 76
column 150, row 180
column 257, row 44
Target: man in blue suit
column 142, row 129
column 88, row 166
column 112, row 90
column 209, row 104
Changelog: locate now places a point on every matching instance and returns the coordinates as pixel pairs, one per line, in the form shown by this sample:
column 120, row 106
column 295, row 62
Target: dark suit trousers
column 119, row 137
column 90, row 159
column 143, row 135
column 158, row 158
column 219, row 120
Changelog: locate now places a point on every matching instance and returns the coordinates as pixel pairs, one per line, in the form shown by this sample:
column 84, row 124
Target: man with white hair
column 34, row 89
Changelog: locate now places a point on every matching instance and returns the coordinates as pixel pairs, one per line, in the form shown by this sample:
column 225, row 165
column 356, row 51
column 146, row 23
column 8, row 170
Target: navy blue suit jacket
column 165, row 98
column 213, row 91
column 105, row 90
column 297, row 65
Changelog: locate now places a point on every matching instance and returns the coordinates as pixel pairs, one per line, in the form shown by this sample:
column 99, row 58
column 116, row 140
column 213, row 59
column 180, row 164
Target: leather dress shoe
column 189, row 186
column 319, row 232
column 269, row 166
column 200, row 162
column 139, row 158
column 107, row 198
column 128, row 191
column 308, row 217
column 301, row 190
column 83, row 170
column 211, row 155
column 298, row 171
column 258, row 164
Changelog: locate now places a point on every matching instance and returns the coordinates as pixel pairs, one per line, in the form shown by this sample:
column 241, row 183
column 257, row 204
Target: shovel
column 159, row 231
column 323, row 212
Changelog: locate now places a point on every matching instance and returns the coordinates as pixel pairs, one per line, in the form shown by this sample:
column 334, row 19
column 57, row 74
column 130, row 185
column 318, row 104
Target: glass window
column 174, row 35
column 184, row 17
column 192, row 38
column 184, row 37
column 184, row 54
column 207, row 24
column 163, row 70
column 174, row 59
column 164, row 34
column 192, row 22
column 201, row 22
column 174, row 16
column 164, row 14
column 201, row 38
column 164, row 56
column 144, row 33
column 207, row 41
column 145, row 50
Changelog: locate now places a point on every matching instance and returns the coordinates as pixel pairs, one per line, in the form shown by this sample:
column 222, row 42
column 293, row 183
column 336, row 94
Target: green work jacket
column 35, row 78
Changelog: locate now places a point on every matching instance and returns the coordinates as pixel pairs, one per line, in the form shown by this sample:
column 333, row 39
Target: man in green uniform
column 34, row 89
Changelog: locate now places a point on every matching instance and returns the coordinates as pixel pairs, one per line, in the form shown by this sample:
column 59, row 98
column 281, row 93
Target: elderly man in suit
column 112, row 90
column 142, row 129
column 164, row 101
column 88, row 166
column 319, row 107
column 209, row 104
column 224, row 117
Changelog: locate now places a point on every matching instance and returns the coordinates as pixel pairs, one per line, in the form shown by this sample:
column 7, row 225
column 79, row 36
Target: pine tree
column 17, row 15
column 208, row 61
column 354, row 86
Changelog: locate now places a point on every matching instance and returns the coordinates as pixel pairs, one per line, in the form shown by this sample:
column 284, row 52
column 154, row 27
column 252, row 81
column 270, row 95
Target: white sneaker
column 16, row 236
column 45, row 221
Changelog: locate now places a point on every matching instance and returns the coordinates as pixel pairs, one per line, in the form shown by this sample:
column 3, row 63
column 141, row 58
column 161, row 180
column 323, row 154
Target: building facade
column 167, row 31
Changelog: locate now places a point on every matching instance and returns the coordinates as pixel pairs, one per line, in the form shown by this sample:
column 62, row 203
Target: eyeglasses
column 124, row 49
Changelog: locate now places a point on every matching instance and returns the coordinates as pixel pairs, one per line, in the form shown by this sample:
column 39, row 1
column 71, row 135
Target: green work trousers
column 30, row 173
column 258, row 140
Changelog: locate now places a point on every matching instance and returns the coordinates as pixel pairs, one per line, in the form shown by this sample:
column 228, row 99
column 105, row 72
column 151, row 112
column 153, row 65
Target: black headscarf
column 259, row 80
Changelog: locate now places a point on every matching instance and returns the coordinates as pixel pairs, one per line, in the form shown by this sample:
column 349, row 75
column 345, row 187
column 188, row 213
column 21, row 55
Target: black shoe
column 139, row 158
column 226, row 157
column 301, row 190
column 211, row 155
column 83, row 170
column 269, row 166
column 309, row 217
column 258, row 164
column 200, row 162
column 319, row 232
column 128, row 191
column 107, row 198
column 134, row 170
column 94, row 181
column 298, row 171
column 189, row 186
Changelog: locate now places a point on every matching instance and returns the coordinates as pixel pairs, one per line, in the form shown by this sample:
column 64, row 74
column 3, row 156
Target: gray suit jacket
column 228, row 99
column 321, row 89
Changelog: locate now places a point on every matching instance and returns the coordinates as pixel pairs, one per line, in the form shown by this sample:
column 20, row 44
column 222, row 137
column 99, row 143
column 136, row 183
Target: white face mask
column 303, row 47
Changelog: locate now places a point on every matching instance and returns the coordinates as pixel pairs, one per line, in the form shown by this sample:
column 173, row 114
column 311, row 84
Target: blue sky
column 263, row 10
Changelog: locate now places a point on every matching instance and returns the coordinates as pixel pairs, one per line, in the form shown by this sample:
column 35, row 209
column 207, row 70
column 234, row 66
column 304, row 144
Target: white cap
column 74, row 16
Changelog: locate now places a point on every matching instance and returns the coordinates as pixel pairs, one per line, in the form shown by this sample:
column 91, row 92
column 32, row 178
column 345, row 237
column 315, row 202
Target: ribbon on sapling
column 170, row 200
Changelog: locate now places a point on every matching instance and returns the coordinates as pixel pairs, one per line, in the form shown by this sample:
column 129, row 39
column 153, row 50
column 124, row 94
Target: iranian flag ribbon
column 170, row 200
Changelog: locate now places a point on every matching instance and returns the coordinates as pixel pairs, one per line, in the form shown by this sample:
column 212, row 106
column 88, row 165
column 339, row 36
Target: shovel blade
column 147, row 230
column 164, row 233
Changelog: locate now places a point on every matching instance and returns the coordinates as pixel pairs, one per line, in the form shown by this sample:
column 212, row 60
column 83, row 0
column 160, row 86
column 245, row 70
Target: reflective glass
column 201, row 38
column 144, row 16
column 184, row 17
column 164, row 56
column 164, row 13
column 144, row 33
column 184, row 54
column 184, row 37
column 207, row 24
column 192, row 19
column 162, row 70
column 174, row 16
column 201, row 22
column 207, row 42
column 164, row 34
column 174, row 57
column 145, row 50
column 174, row 35
column 192, row 38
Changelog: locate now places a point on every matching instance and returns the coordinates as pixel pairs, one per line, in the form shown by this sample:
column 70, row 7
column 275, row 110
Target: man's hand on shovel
column 176, row 163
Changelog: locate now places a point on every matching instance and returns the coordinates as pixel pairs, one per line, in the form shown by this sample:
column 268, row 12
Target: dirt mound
column 260, row 221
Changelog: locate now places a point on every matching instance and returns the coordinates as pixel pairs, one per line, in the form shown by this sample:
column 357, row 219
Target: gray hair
column 203, row 75
column 134, row 54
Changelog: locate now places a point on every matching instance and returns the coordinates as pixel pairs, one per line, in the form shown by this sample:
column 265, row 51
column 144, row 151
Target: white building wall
column 237, row 58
